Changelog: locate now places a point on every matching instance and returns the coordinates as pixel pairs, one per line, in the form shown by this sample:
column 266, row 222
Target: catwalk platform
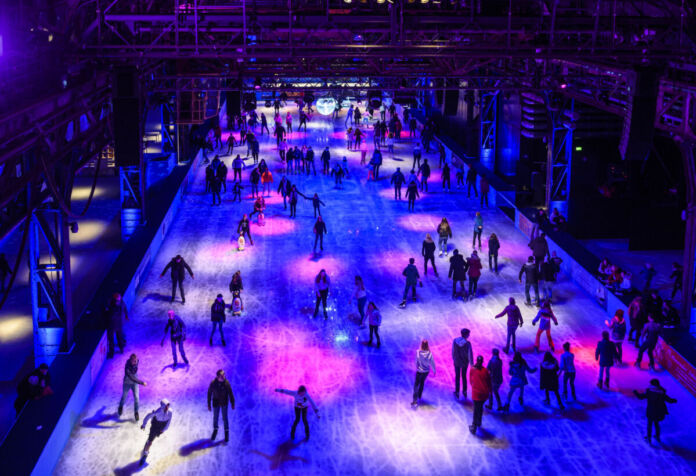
column 368, row 425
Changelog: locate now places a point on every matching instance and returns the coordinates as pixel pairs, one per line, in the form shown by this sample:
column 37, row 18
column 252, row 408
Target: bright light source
column 563, row 86
column 578, row 148
column 326, row 106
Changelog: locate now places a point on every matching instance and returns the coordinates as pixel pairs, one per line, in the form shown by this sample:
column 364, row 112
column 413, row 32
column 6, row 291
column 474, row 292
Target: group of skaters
column 484, row 379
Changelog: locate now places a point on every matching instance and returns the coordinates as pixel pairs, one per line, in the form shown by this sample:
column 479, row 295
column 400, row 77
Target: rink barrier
column 578, row 263
column 44, row 427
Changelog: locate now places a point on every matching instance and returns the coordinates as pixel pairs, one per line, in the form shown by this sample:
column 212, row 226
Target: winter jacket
column 320, row 228
column 412, row 192
column 444, row 231
column 548, row 375
column 301, row 401
column 605, row 353
column 518, row 374
column 322, row 285
column 176, row 327
column 458, row 268
column 539, row 246
column 514, row 315
column 474, row 266
column 446, row 172
column 548, row 272
column 651, row 331
column 544, row 317
column 495, row 367
column 530, row 273
column 425, row 171
column 567, row 362
column 115, row 313
column 130, row 375
column 397, row 178
column 424, row 361
column 178, row 269
column 411, row 273
column 428, row 249
column 217, row 311
column 618, row 329
column 462, row 354
column 220, row 393
column 243, row 225
column 236, row 283
column 483, row 184
column 478, row 224
column 480, row 380
column 374, row 317
column 255, row 176
column 493, row 246
column 657, row 402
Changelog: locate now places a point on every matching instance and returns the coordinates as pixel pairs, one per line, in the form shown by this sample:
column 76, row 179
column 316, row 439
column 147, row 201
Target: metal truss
column 488, row 111
column 50, row 281
column 559, row 148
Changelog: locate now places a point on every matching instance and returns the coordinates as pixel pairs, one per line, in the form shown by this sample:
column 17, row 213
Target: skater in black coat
column 294, row 196
column 325, row 160
column 428, row 252
column 243, row 227
column 178, row 267
column 217, row 316
column 425, row 175
column 115, row 313
column 254, row 178
column 446, row 177
column 319, row 232
column 220, row 395
column 411, row 195
column 657, row 399
column 316, row 204
column 457, row 271
column 398, row 180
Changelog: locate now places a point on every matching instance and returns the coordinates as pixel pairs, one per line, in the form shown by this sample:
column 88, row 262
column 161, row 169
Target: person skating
column 648, row 337
column 215, row 187
column 319, row 232
column 617, row 326
column 236, row 285
column 264, row 124
column 548, row 378
column 177, row 334
column 656, row 410
column 131, row 383
column 283, row 191
column 471, row 182
column 647, row 273
column 115, row 313
column 161, row 419
column 540, row 249
column 480, row 379
column 547, row 278
column 243, row 228
column 514, row 320
column 531, row 279
column 321, row 291
column 518, row 378
column 337, row 172
column 567, row 366
column 474, row 266
column 316, row 204
column 217, row 317
column 544, row 317
column 288, row 122
column 230, row 144
column 424, row 363
column 457, row 272
column 309, row 160
column 493, row 248
column 326, row 160
column 411, row 195
column 221, row 175
column 677, row 275
column 444, row 232
column 416, row 157
column 376, row 163
column 495, row 368
column 412, row 279
column 237, row 166
column 428, row 253
column 178, row 267
column 637, row 317
column 485, row 190
column 413, row 177
column 294, row 196
column 302, row 402
column 375, row 320
column 266, row 181
column 425, row 175
column 478, row 229
column 254, row 179
column 605, row 353
column 360, row 296
column 462, row 356
column 219, row 397
column 397, row 179
column 446, row 176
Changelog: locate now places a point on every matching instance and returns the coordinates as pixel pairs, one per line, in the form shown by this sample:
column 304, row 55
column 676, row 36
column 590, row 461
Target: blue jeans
column 604, row 369
column 217, row 324
column 216, row 416
column 136, row 395
column 511, row 336
column 442, row 244
column 546, row 289
column 181, row 350
column 361, row 308
column 528, row 285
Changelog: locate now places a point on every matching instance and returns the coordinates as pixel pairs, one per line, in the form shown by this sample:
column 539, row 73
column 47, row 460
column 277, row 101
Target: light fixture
column 348, row 1
column 424, row 1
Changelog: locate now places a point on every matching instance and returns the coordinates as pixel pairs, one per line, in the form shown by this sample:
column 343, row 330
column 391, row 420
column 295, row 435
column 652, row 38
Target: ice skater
column 428, row 253
column 412, row 194
column 131, row 383
column 495, row 368
column 425, row 175
column 326, row 160
column 178, row 267
column 457, row 272
column 302, row 403
column 462, row 356
column 217, row 317
column 397, row 179
column 493, row 248
column 657, row 399
column 567, row 366
column 444, row 232
column 220, row 396
column 473, row 269
column 360, row 296
column 518, row 378
column 548, row 379
column 480, row 379
column 412, row 279
column 319, row 232
column 531, row 279
column 544, row 317
column 177, row 333
column 375, row 320
column 514, row 320
column 478, row 229
column 115, row 313
column 316, row 204
column 321, row 291
column 605, row 353
column 337, row 172
column 243, row 228
column 161, row 419
column 424, row 362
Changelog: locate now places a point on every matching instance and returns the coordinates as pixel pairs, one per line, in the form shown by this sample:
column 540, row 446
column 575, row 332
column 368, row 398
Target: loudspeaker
column 451, row 102
column 127, row 132
column 639, row 128
column 234, row 103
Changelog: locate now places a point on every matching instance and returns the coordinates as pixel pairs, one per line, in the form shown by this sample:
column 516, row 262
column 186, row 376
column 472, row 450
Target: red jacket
column 480, row 383
column 474, row 267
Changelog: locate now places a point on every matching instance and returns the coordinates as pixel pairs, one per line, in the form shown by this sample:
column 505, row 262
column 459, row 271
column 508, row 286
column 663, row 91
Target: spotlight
column 381, row 1
column 424, row 1
column 347, row 1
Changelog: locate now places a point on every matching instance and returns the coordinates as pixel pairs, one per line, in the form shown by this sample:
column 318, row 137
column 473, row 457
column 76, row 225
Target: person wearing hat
column 114, row 314
column 179, row 268
column 217, row 316
column 657, row 399
column 220, row 394
column 177, row 331
column 161, row 418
